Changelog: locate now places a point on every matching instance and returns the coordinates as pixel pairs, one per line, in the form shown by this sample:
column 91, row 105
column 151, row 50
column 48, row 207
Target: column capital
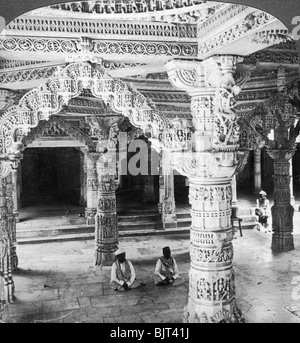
column 281, row 154
column 214, row 164
column 197, row 77
column 185, row 75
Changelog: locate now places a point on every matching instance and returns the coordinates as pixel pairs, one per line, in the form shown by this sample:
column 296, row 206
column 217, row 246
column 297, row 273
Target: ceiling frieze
column 56, row 48
column 152, row 76
column 246, row 107
column 137, row 9
column 14, row 64
column 183, row 98
column 254, row 95
column 104, row 29
column 288, row 45
column 241, row 33
column 277, row 57
column 220, row 17
column 18, row 79
column 24, row 76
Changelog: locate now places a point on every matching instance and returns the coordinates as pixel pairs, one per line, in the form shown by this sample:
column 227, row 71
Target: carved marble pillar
column 83, row 177
column 92, row 186
column 234, row 202
column 257, row 170
column 167, row 206
column 106, row 226
column 11, row 221
column 210, row 168
column 16, row 188
column 282, row 210
column 6, row 283
column 293, row 203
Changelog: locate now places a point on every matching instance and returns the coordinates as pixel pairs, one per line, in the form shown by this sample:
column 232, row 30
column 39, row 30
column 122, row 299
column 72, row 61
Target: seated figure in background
column 263, row 211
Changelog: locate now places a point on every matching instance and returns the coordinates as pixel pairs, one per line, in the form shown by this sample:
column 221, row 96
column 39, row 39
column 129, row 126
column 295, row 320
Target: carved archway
column 48, row 99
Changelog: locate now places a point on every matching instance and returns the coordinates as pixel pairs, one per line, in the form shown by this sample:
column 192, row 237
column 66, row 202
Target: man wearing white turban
column 123, row 276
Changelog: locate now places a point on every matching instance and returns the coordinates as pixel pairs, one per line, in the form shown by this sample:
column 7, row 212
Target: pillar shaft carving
column 6, row 278
column 106, row 221
column 210, row 168
column 91, row 186
column 167, row 199
column 281, row 149
column 282, row 210
column 83, row 177
column 257, row 169
column 16, row 192
column 11, row 221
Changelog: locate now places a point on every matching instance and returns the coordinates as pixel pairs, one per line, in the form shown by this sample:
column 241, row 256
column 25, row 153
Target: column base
column 282, row 242
column 104, row 258
column 229, row 313
column 90, row 215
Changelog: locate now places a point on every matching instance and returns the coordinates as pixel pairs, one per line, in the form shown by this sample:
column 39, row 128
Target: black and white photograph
column 149, row 164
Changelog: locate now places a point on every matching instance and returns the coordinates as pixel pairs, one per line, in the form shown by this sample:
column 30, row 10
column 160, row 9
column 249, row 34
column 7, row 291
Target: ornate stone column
column 6, row 283
column 281, row 149
column 167, row 206
column 16, row 193
column 234, row 202
column 92, row 186
column 11, row 222
column 210, row 168
column 282, row 210
column 106, row 228
column 83, row 177
column 257, row 170
column 292, row 184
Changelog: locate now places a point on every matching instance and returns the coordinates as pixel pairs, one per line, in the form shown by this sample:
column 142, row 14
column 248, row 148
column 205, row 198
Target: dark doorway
column 50, row 176
column 181, row 189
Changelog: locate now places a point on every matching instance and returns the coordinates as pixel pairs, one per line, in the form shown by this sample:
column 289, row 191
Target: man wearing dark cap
column 166, row 270
column 122, row 273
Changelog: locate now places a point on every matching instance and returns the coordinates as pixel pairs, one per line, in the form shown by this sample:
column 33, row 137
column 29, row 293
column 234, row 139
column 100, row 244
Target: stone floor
column 57, row 282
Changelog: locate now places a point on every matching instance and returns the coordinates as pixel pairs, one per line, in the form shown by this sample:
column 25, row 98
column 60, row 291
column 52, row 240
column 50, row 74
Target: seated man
column 122, row 273
column 166, row 270
column 263, row 211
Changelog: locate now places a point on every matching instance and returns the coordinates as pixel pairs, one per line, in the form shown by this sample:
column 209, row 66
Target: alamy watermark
column 136, row 157
column 296, row 29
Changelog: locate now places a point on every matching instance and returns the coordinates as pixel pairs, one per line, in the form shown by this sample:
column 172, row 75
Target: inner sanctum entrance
column 50, row 176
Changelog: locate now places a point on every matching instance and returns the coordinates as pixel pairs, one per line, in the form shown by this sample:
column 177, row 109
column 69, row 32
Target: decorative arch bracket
column 48, row 99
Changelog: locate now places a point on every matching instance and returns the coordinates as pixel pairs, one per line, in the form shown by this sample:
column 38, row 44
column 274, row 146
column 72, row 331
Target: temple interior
column 144, row 124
